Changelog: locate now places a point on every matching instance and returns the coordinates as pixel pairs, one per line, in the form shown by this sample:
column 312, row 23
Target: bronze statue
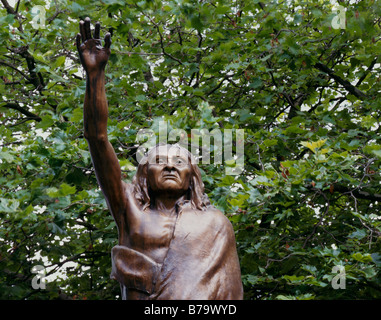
column 173, row 244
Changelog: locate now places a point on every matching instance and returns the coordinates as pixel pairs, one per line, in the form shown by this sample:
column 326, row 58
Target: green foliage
column 306, row 94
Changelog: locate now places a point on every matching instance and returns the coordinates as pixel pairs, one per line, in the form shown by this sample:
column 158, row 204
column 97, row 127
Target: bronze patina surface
column 173, row 244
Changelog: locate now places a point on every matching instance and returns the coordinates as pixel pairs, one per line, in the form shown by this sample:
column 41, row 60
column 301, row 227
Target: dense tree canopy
column 306, row 93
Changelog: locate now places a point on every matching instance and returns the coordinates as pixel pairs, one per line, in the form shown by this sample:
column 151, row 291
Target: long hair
column 195, row 194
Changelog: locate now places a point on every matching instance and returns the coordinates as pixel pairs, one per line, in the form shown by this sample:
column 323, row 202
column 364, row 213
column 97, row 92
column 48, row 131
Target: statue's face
column 169, row 170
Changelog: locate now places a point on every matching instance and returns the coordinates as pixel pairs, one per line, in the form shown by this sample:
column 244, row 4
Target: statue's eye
column 180, row 162
column 160, row 161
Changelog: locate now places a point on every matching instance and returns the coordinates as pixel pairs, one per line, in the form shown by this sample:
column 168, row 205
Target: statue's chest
column 152, row 234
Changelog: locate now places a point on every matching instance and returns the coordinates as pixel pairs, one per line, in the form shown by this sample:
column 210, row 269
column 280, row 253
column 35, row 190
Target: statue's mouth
column 170, row 176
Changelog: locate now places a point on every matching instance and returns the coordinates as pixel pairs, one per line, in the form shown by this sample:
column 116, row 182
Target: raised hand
column 93, row 56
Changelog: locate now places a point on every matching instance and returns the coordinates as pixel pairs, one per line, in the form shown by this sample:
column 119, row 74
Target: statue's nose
column 169, row 166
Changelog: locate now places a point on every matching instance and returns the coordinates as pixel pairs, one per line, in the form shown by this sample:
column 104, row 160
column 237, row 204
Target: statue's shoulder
column 217, row 217
column 129, row 189
column 208, row 221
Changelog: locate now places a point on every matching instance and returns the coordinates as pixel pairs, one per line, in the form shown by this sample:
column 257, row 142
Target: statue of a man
column 173, row 244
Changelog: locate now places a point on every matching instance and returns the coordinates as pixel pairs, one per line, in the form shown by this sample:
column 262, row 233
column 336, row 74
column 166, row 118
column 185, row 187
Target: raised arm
column 94, row 58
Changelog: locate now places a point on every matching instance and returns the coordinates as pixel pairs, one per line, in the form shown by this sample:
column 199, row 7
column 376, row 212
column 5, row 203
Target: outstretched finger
column 82, row 30
column 87, row 28
column 107, row 40
column 78, row 40
column 97, row 30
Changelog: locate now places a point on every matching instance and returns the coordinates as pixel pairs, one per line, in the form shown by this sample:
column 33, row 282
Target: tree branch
column 356, row 192
column 14, row 68
column 345, row 83
column 321, row 218
column 10, row 10
column 7, row 6
column 35, row 78
column 219, row 85
column 365, row 195
column 16, row 106
column 367, row 71
column 161, row 42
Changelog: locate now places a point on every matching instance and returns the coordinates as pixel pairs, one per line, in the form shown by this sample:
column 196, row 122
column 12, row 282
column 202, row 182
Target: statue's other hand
column 91, row 53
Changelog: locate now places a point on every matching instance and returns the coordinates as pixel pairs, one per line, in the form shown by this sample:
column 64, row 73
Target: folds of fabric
column 201, row 262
